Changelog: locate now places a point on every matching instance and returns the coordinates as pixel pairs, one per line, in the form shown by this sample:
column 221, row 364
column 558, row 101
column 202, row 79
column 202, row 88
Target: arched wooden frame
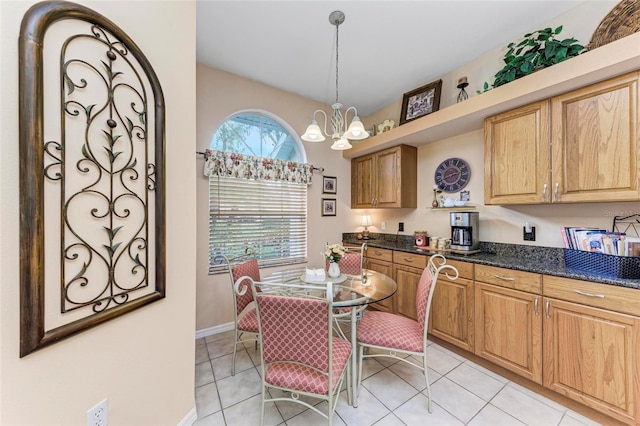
column 33, row 173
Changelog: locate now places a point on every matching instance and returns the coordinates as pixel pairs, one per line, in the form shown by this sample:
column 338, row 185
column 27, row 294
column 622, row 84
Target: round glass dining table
column 349, row 291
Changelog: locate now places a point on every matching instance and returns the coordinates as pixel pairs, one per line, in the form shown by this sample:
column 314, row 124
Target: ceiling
column 386, row 48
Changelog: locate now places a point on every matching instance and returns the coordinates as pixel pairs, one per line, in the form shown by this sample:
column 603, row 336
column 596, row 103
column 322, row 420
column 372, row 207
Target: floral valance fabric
column 231, row 164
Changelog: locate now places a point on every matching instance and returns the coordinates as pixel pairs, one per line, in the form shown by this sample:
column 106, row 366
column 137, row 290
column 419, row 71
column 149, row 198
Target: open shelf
column 608, row 61
column 467, row 207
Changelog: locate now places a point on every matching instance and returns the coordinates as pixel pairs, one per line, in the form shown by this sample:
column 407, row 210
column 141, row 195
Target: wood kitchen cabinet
column 580, row 146
column 592, row 345
column 517, row 159
column 407, row 270
column 508, row 320
column 451, row 316
column 385, row 179
column 380, row 260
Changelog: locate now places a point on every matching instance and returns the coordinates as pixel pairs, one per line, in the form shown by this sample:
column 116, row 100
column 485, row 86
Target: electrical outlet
column 400, row 226
column 383, row 226
column 529, row 235
column 97, row 416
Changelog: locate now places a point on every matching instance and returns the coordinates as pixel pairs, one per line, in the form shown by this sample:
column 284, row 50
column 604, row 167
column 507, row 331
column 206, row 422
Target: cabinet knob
column 556, row 194
column 535, row 306
column 544, row 193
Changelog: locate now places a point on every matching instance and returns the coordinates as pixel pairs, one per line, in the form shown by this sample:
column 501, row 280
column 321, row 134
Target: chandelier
column 340, row 133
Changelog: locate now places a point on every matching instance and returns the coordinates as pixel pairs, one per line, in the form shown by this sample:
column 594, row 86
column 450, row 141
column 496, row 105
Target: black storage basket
column 602, row 264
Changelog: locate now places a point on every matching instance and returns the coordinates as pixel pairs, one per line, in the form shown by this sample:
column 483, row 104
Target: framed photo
column 329, row 185
column 420, row 102
column 328, row 207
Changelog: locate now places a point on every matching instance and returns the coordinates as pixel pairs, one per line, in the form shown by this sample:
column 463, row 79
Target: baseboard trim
column 214, row 330
column 190, row 418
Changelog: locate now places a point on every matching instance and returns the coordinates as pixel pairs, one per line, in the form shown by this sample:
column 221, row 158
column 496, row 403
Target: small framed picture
column 329, row 185
column 421, row 101
column 328, row 207
column 465, row 196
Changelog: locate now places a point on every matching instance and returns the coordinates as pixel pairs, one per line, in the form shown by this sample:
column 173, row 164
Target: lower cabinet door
column 451, row 317
column 508, row 329
column 407, row 279
column 591, row 355
column 386, row 268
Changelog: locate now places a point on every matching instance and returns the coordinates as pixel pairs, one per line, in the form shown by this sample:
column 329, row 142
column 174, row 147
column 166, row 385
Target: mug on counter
column 444, row 243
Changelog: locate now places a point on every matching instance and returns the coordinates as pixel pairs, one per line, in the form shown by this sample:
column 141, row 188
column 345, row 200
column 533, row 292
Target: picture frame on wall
column 329, row 185
column 420, row 102
column 328, row 207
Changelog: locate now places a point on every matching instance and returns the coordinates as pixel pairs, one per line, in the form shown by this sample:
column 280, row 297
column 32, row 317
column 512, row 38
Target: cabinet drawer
column 510, row 278
column 379, row 254
column 410, row 259
column 465, row 269
column 610, row 297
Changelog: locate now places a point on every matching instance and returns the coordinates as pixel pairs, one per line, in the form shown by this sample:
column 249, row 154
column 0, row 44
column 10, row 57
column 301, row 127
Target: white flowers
column 334, row 252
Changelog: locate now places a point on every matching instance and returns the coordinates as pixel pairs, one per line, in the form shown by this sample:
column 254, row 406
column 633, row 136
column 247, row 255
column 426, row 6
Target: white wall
column 142, row 362
column 497, row 224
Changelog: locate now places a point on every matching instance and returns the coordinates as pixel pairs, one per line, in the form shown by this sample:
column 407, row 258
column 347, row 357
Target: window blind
column 270, row 216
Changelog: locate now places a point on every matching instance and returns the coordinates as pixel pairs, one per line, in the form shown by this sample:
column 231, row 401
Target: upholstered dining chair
column 299, row 353
column 245, row 317
column 386, row 335
column 352, row 263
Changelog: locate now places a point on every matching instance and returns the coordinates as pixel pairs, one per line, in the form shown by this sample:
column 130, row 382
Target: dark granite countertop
column 542, row 260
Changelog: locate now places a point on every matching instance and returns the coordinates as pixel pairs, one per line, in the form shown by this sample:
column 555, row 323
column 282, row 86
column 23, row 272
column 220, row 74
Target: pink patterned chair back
column 250, row 269
column 294, row 329
column 351, row 263
column 422, row 297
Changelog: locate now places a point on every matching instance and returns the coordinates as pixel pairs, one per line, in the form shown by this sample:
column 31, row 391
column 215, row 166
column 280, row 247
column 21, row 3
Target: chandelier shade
column 340, row 133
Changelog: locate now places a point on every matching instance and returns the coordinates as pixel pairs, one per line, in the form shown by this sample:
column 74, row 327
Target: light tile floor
column 393, row 393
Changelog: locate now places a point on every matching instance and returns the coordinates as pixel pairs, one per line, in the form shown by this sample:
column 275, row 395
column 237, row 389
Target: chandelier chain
column 337, row 50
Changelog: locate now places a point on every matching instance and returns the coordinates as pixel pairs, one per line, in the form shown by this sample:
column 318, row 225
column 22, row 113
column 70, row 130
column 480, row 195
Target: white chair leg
column 235, row 349
column 357, row 391
column 426, row 378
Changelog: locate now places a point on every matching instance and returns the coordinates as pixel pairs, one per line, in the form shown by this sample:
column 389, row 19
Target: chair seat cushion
column 249, row 321
column 299, row 377
column 390, row 331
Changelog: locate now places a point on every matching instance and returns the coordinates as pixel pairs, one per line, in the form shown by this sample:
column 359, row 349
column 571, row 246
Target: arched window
column 260, row 134
column 268, row 215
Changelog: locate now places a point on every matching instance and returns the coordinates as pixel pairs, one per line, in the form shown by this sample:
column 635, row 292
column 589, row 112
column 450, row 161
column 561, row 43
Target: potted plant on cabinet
column 539, row 49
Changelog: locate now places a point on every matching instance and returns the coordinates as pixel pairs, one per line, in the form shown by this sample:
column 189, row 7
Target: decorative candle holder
column 462, row 83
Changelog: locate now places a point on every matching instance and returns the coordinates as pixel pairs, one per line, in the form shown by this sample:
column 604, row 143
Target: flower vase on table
column 333, row 254
column 334, row 270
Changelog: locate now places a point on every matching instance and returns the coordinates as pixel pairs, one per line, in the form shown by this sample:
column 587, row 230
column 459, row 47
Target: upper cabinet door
column 363, row 182
column 517, row 162
column 595, row 142
column 388, row 173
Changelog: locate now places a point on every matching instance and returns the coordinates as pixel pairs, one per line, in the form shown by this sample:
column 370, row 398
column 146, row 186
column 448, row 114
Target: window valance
column 231, row 164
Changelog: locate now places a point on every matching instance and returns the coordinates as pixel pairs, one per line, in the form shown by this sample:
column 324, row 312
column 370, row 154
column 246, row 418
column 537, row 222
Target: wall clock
column 452, row 175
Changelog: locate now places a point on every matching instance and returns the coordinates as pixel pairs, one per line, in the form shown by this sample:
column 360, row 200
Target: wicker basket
column 623, row 20
column 602, row 264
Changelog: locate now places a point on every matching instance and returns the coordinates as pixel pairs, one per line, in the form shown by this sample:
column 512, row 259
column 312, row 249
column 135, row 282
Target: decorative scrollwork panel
column 92, row 174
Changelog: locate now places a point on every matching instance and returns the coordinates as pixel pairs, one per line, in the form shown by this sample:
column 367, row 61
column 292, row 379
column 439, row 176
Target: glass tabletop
column 352, row 291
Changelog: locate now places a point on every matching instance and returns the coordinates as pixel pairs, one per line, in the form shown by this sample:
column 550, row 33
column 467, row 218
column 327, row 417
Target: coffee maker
column 464, row 231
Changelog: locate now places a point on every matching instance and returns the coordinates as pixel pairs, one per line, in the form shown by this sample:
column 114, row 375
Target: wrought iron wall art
column 92, row 224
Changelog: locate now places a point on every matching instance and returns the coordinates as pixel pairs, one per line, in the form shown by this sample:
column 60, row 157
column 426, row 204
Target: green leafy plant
column 539, row 49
